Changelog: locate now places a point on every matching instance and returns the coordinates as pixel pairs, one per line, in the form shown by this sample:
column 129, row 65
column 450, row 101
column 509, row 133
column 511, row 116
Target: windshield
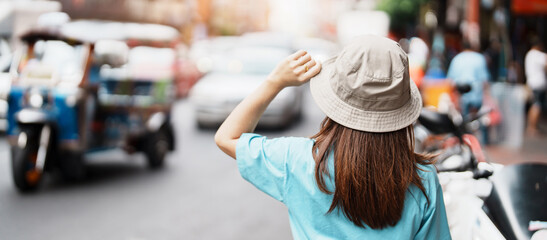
column 152, row 55
column 140, row 63
column 152, row 64
column 53, row 62
column 118, row 62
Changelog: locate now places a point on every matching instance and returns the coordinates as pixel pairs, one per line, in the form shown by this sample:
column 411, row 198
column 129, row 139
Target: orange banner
column 529, row 6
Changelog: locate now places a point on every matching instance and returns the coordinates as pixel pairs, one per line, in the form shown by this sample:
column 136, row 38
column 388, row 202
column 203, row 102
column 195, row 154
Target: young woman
column 358, row 177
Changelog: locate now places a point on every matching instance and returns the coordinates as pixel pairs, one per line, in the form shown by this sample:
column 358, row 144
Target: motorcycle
column 483, row 200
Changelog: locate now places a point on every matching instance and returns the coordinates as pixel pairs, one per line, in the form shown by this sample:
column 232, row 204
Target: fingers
column 304, row 67
column 297, row 69
column 302, row 60
column 312, row 71
column 297, row 54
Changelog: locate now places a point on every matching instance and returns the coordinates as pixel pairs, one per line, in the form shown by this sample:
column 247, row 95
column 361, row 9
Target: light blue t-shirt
column 470, row 68
column 284, row 169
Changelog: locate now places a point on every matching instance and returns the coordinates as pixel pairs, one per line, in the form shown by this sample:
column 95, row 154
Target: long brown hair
column 372, row 172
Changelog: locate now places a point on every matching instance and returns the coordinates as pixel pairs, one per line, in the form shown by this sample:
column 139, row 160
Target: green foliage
column 401, row 12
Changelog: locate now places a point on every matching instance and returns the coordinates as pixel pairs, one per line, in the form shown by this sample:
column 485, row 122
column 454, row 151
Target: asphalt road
column 198, row 195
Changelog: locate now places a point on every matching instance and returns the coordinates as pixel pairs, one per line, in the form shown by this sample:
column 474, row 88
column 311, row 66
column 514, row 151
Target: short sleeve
column 434, row 223
column 262, row 162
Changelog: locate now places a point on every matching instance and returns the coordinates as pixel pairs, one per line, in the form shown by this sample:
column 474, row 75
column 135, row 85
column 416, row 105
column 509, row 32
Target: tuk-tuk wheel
column 157, row 148
column 23, row 162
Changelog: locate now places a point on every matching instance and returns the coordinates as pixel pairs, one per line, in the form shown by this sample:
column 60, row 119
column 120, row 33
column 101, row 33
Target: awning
column 529, row 7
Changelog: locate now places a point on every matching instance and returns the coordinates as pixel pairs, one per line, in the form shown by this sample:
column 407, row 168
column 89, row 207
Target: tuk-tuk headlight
column 36, row 100
column 22, row 140
column 71, row 100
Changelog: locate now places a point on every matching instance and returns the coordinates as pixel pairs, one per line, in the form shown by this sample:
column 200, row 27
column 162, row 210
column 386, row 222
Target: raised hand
column 295, row 70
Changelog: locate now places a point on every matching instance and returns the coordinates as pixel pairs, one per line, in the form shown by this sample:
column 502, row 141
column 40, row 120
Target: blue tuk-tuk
column 89, row 86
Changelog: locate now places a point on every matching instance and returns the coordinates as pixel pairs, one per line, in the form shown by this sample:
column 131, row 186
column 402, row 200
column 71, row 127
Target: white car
column 205, row 52
column 235, row 75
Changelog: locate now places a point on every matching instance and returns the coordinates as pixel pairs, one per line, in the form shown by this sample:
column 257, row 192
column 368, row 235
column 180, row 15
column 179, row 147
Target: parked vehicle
column 234, row 74
column 188, row 73
column 481, row 205
column 5, row 56
column 72, row 93
column 207, row 51
column 267, row 39
column 446, row 124
column 5, row 62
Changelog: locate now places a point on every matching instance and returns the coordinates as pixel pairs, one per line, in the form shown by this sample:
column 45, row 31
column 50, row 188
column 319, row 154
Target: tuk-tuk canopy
column 91, row 31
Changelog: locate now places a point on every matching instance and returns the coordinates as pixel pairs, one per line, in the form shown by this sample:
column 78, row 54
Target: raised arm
column 295, row 70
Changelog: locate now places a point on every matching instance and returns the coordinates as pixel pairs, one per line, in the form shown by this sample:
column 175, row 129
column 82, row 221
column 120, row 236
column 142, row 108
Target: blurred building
column 200, row 18
column 234, row 17
column 499, row 28
column 194, row 18
column 180, row 14
column 527, row 19
column 316, row 18
column 16, row 17
column 169, row 12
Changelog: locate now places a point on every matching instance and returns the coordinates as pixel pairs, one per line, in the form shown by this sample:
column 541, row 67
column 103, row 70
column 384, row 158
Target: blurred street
column 198, row 195
column 82, row 77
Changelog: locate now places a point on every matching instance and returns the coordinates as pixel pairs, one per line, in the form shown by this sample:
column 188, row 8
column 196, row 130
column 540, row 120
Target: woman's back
column 284, row 168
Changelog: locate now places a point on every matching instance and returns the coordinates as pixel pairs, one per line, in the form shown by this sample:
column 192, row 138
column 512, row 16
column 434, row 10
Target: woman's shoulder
column 431, row 183
column 427, row 169
column 428, row 172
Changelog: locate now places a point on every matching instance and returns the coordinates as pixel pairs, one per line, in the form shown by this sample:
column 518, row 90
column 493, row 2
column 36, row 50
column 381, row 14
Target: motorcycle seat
column 437, row 123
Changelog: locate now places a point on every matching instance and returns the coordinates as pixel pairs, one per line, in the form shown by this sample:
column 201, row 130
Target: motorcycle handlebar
column 472, row 117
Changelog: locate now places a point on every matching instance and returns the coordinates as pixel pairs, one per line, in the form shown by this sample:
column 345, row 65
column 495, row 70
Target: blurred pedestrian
column 535, row 64
column 492, row 55
column 418, row 54
column 469, row 67
column 358, row 177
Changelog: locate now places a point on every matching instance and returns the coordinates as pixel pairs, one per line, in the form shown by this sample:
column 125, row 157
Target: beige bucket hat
column 367, row 87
